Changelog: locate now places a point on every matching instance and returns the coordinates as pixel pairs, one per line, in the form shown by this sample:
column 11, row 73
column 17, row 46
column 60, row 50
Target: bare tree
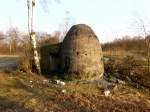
column 35, row 63
column 148, row 51
column 142, row 27
column 13, row 37
column 2, row 37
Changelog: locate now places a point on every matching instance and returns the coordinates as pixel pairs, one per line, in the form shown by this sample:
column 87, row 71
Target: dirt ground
column 22, row 92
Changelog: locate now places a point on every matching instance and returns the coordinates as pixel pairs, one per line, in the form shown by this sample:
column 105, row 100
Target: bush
column 129, row 70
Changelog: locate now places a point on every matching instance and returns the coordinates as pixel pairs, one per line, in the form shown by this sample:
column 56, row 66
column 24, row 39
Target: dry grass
column 21, row 92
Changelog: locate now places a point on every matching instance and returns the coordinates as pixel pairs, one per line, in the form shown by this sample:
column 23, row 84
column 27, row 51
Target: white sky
column 110, row 19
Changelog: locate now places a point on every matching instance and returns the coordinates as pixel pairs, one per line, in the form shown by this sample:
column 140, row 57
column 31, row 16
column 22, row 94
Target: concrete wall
column 81, row 53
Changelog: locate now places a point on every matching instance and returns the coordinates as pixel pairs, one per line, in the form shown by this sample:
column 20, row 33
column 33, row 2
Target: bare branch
column 44, row 4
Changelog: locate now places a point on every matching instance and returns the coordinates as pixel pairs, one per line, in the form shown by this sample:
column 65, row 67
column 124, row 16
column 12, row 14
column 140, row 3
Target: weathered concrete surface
column 8, row 62
column 50, row 59
column 81, row 53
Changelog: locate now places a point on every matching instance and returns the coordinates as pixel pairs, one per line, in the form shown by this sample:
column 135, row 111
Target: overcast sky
column 110, row 19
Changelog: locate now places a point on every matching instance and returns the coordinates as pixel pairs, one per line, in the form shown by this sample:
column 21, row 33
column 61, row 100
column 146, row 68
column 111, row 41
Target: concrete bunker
column 79, row 55
column 50, row 58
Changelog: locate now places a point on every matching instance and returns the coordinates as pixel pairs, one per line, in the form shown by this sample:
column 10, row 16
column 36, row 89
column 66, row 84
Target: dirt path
column 8, row 62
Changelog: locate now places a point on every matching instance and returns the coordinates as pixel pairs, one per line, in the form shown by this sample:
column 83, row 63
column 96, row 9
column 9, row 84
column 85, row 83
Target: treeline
column 15, row 42
column 127, row 43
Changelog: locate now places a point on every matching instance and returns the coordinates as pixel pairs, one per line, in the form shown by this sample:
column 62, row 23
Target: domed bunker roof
column 81, row 53
column 80, row 30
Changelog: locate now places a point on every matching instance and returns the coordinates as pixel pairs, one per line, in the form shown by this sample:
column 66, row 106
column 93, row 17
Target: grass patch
column 32, row 93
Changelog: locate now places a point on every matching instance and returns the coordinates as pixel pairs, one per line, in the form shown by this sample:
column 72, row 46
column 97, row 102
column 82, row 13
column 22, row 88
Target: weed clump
column 128, row 69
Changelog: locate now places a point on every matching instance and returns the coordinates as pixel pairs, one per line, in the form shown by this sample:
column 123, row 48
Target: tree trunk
column 148, row 53
column 10, row 50
column 35, row 63
column 35, row 57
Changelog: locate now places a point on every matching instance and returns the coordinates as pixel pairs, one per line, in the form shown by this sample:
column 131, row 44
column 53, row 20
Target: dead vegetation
column 21, row 92
column 128, row 69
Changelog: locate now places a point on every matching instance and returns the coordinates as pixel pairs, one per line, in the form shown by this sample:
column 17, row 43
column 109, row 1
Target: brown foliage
column 135, row 44
column 128, row 69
